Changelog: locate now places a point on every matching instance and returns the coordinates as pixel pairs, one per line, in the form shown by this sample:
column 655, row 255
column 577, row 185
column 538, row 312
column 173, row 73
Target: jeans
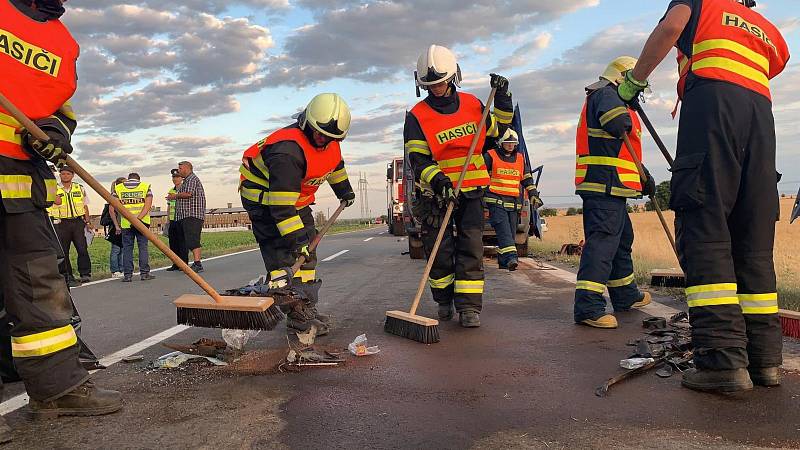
column 115, row 259
column 129, row 235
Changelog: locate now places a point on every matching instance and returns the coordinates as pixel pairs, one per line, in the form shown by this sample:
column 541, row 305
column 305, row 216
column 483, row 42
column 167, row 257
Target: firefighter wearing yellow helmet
column 438, row 132
column 504, row 198
column 605, row 178
column 280, row 175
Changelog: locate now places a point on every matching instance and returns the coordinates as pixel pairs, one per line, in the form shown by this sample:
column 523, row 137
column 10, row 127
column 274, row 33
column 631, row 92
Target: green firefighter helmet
column 328, row 114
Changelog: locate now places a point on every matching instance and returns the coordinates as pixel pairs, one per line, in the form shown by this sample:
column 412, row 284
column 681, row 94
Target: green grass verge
column 214, row 244
column 789, row 296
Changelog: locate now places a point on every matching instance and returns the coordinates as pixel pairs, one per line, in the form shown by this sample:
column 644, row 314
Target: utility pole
column 362, row 194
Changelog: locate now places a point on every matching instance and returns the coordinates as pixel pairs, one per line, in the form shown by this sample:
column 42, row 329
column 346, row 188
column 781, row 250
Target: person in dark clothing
column 504, row 199
column 605, row 177
column 724, row 184
column 279, row 178
column 35, row 297
column 438, row 132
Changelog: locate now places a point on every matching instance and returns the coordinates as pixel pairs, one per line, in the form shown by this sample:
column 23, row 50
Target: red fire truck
column 395, row 197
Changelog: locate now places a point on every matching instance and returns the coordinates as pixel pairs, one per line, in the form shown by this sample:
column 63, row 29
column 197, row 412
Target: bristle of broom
column 238, row 320
column 414, row 331
column 791, row 326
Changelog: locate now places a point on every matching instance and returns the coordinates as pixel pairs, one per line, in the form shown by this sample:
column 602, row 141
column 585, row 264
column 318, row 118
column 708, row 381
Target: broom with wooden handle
column 790, row 320
column 409, row 324
column 212, row 311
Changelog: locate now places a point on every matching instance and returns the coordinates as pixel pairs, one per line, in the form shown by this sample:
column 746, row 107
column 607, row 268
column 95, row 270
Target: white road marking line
column 329, row 258
column 17, row 402
column 106, row 280
column 368, row 239
column 382, row 232
column 657, row 309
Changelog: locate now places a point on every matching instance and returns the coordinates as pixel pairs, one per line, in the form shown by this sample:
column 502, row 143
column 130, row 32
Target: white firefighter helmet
column 328, row 114
column 437, row 64
column 615, row 71
column 509, row 137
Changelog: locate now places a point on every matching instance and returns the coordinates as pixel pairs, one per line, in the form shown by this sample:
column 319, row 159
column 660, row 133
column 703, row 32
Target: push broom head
column 790, row 322
column 412, row 326
column 241, row 313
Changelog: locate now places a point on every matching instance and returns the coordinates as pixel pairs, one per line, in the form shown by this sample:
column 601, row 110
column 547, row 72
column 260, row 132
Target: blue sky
column 204, row 79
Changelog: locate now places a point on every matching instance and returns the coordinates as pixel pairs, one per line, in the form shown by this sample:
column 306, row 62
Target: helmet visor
column 331, row 129
column 432, row 76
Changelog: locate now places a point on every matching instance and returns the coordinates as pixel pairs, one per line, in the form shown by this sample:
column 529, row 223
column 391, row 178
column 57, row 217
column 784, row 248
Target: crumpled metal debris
column 202, row 347
column 175, row 359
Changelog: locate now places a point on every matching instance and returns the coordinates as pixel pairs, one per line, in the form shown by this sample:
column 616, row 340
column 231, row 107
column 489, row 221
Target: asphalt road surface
column 525, row 379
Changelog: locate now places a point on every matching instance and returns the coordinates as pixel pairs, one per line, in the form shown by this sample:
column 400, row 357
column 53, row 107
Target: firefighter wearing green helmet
column 280, row 175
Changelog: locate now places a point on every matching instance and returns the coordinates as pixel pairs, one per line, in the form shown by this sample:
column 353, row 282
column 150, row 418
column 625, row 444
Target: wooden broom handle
column 450, row 205
column 114, row 202
column 325, row 227
column 653, row 199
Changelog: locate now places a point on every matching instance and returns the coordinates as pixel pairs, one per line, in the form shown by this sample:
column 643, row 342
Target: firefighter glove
column 348, row 199
column 54, row 150
column 500, row 82
column 630, row 88
column 449, row 194
column 301, row 247
column 536, row 202
column 280, row 278
column 649, row 186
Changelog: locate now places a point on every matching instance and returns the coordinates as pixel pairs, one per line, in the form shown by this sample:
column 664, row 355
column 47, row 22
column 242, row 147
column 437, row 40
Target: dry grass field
column 651, row 248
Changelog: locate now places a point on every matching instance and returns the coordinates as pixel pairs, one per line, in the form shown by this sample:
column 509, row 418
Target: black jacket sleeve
column 426, row 170
column 340, row 183
column 286, row 164
column 612, row 113
column 62, row 121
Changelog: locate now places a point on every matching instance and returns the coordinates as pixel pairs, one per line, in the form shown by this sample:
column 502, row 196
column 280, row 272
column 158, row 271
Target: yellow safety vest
column 133, row 200
column 72, row 204
column 171, row 205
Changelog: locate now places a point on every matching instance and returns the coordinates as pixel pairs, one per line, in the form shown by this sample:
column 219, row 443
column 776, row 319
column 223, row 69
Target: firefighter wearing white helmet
column 504, row 199
column 280, row 175
column 438, row 132
column 605, row 178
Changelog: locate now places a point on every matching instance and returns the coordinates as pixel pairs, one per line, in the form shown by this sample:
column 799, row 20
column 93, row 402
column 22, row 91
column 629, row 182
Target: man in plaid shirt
column 190, row 210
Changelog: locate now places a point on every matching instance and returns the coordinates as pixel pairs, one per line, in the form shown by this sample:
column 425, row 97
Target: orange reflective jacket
column 626, row 170
column 319, row 162
column 735, row 44
column 37, row 63
column 449, row 137
column 506, row 177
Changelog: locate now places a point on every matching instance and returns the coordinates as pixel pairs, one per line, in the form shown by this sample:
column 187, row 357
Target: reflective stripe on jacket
column 735, row 44
column 72, row 203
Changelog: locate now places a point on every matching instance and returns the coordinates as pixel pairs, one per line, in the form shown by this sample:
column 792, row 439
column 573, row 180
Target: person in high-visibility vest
column 279, row 178
column 174, row 230
column 724, row 184
column 137, row 197
column 506, row 167
column 438, row 132
column 38, row 73
column 71, row 219
column 605, row 177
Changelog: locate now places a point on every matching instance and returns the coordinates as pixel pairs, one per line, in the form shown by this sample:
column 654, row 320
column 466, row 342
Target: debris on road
column 635, row 363
column 237, row 339
column 359, row 347
column 133, row 358
column 654, row 323
column 202, row 347
column 176, row 358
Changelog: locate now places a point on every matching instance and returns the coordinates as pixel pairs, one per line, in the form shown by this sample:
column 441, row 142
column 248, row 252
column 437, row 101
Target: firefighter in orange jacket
column 724, row 184
column 38, row 66
column 605, row 177
column 506, row 168
column 438, row 132
column 279, row 177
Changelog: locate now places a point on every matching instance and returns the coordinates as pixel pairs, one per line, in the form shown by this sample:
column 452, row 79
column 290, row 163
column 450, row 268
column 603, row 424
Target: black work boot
column 311, row 294
column 765, row 376
column 85, row 400
column 446, row 312
column 470, row 319
column 735, row 380
column 512, row 265
column 6, row 434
